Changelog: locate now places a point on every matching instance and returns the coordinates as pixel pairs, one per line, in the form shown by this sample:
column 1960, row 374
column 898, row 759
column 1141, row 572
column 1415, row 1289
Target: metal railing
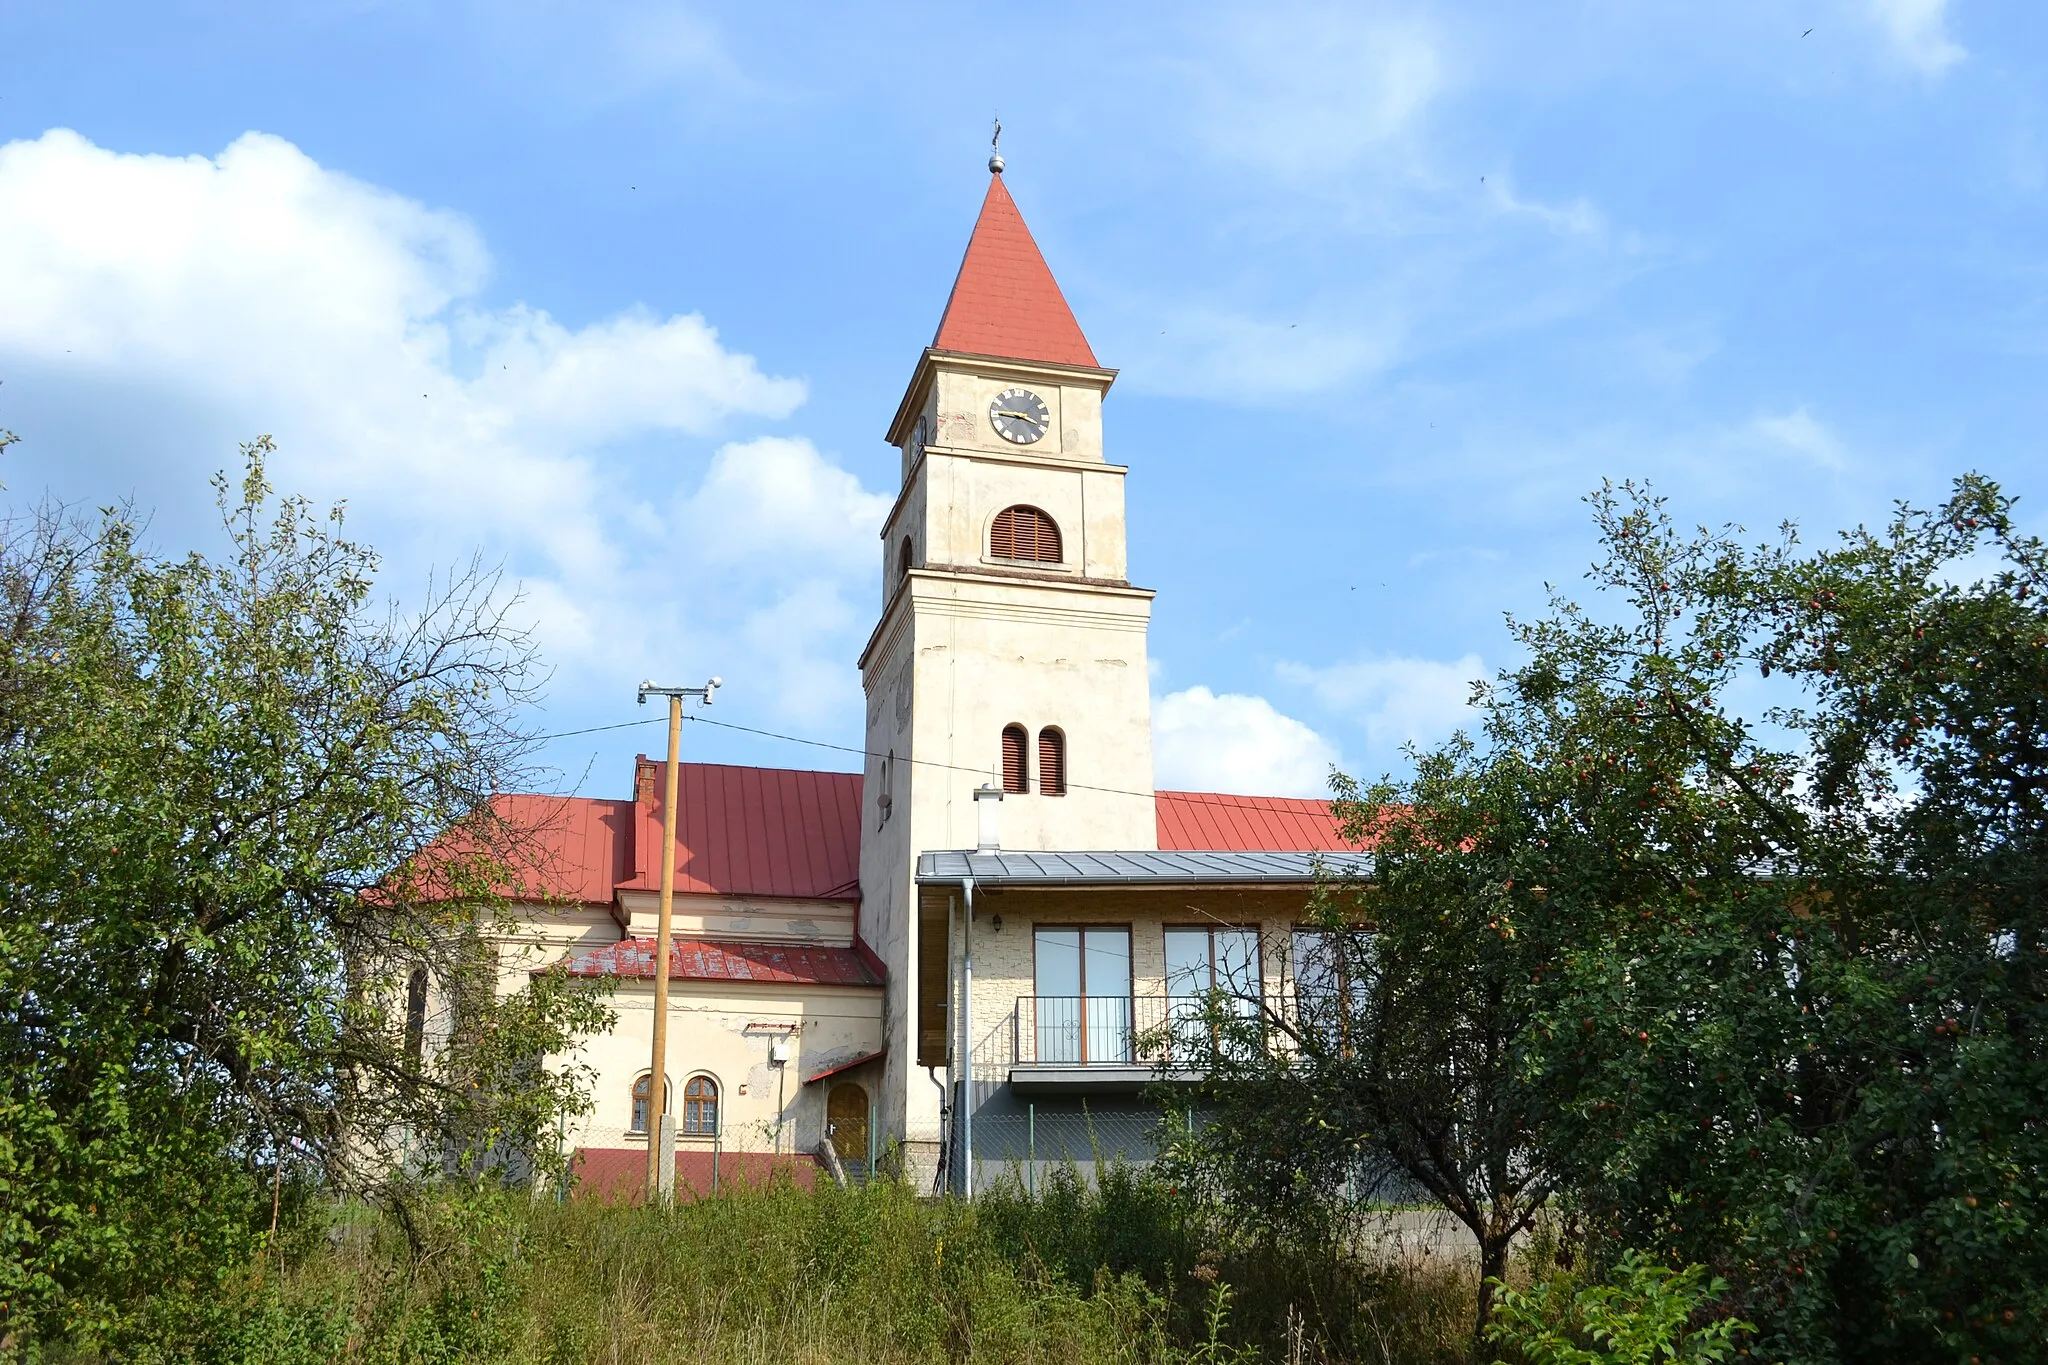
column 1141, row 1030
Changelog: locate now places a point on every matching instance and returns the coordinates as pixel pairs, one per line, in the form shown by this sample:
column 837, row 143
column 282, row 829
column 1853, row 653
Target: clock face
column 914, row 447
column 1019, row 415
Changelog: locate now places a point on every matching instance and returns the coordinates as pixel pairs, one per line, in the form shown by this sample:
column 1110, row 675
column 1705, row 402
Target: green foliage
column 866, row 1274
column 1792, row 1027
column 1642, row 1315
column 1764, row 991
column 215, row 779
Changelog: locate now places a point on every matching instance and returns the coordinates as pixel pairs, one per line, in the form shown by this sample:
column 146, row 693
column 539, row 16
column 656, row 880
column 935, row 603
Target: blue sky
column 622, row 298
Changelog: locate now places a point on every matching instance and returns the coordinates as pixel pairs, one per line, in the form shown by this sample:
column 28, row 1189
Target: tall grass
column 1125, row 1272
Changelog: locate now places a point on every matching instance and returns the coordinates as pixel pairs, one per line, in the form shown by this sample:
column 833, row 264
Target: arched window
column 903, row 561
column 640, row 1117
column 1052, row 762
column 1024, row 533
column 700, row 1106
column 1015, row 775
column 415, row 1015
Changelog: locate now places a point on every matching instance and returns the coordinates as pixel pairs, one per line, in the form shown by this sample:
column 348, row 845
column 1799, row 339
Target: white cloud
column 1800, row 432
column 1917, row 31
column 270, row 293
column 776, row 497
column 1398, row 701
column 1579, row 218
column 1236, row 743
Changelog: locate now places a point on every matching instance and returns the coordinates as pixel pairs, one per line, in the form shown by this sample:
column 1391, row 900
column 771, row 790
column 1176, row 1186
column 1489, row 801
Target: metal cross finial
column 995, row 148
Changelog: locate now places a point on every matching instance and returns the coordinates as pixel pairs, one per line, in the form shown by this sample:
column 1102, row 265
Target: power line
column 1195, row 798
column 622, row 725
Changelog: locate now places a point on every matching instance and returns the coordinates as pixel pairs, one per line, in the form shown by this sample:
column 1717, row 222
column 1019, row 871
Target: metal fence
column 1141, row 1030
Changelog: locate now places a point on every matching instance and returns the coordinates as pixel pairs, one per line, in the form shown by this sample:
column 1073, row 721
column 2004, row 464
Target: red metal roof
column 1221, row 823
column 796, row 833
column 697, row 959
column 568, row 847
column 751, row 831
column 1005, row 301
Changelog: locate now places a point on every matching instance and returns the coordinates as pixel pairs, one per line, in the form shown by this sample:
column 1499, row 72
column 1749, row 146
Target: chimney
column 988, row 811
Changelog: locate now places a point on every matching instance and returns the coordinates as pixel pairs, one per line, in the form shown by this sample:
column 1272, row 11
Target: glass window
column 1203, row 961
column 638, row 1122
column 700, row 1106
column 1332, row 970
column 1082, row 995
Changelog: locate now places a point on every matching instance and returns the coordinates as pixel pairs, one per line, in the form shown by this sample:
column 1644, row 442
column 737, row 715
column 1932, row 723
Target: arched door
column 846, row 1110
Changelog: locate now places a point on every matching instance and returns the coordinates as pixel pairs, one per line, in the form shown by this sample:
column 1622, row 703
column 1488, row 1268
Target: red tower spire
column 1005, row 301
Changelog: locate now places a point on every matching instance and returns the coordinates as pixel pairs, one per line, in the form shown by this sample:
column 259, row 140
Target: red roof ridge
column 1005, row 301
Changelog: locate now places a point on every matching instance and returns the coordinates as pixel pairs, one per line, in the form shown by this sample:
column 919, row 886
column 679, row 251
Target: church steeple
column 1005, row 301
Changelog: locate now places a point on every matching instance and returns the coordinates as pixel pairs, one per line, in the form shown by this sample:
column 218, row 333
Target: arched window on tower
column 1052, row 762
column 1024, row 533
column 903, row 561
column 1015, row 775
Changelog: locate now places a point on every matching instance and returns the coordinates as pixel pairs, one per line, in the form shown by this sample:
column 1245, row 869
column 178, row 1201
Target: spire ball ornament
column 995, row 150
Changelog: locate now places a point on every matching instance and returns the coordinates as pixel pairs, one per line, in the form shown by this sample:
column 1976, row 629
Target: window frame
column 717, row 1099
column 635, row 1100
column 1129, row 996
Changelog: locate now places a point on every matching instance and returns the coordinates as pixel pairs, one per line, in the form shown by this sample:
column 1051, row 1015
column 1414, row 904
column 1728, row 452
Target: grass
column 1075, row 1275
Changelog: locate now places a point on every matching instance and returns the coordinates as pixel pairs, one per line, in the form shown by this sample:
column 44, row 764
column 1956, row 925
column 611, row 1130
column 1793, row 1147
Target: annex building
column 972, row 947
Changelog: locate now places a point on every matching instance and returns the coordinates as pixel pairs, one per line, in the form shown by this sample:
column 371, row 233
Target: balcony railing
column 1144, row 1030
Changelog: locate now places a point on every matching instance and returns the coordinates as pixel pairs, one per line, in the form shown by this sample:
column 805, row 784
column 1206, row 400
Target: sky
column 621, row 298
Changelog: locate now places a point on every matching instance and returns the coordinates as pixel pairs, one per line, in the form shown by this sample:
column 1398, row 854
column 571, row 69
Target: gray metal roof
column 1140, row 867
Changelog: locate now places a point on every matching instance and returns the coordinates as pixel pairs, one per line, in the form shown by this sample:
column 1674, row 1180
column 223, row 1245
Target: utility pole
column 661, row 1137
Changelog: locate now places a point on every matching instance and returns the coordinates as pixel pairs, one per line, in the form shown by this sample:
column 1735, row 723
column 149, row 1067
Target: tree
column 216, row 780
column 1814, row 1059
column 1393, row 1066
column 1773, row 974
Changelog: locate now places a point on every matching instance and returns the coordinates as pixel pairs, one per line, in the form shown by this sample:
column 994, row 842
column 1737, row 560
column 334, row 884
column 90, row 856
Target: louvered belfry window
column 1014, row 775
column 1052, row 763
column 1024, row 533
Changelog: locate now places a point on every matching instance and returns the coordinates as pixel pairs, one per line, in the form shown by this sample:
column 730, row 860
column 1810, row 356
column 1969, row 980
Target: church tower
column 1011, row 645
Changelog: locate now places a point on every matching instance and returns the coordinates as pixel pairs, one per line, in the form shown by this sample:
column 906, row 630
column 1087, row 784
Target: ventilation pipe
column 988, row 822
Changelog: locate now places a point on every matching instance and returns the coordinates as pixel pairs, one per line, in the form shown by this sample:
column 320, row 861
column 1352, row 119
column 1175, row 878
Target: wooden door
column 846, row 1110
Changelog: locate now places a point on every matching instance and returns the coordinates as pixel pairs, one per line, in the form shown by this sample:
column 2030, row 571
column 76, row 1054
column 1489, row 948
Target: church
column 973, row 956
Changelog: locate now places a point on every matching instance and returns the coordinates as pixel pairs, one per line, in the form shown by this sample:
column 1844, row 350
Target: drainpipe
column 988, row 808
column 966, row 1124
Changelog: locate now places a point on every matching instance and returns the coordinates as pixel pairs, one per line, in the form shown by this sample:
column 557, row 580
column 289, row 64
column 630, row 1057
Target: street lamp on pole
column 661, row 1139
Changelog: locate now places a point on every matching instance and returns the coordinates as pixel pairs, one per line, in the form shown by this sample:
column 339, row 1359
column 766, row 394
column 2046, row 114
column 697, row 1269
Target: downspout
column 966, row 1101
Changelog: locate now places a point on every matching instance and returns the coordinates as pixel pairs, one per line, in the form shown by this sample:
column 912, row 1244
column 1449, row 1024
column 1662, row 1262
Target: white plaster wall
column 962, row 654
column 758, row 920
column 963, row 392
column 992, row 652
column 717, row 1029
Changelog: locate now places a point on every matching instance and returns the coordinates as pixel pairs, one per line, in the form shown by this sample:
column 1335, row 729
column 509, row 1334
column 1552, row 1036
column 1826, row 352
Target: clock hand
column 1020, row 416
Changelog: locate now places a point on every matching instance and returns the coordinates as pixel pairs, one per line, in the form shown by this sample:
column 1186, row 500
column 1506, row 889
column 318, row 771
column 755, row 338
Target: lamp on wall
column 996, row 923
